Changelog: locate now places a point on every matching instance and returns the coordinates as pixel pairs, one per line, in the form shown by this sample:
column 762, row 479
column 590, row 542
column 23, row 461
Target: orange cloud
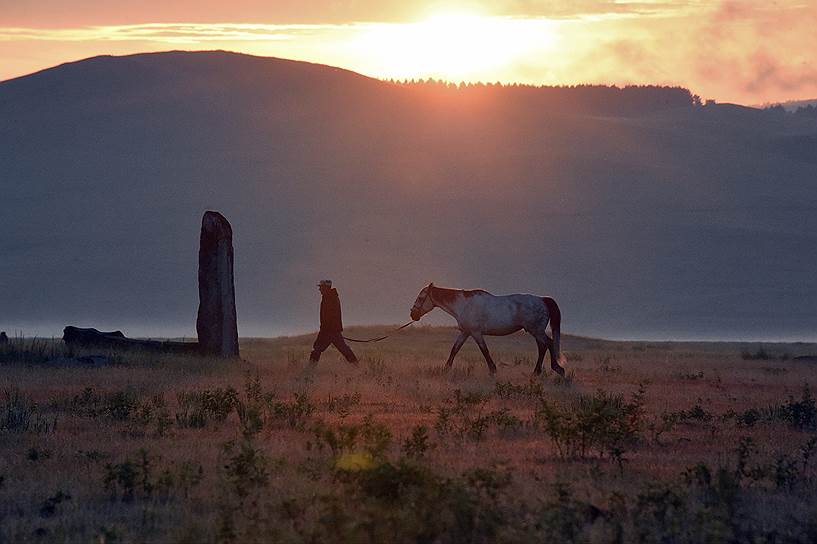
column 743, row 51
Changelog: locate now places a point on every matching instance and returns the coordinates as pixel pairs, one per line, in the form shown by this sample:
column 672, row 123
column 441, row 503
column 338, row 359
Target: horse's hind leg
column 456, row 348
column 545, row 344
column 542, row 350
column 483, row 347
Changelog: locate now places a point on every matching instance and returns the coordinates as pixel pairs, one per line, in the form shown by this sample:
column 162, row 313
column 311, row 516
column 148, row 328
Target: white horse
column 480, row 313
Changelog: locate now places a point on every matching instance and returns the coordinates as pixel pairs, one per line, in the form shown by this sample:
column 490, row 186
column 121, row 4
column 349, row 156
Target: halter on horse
column 479, row 313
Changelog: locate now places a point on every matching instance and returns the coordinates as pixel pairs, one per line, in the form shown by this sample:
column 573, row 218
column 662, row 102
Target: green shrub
column 601, row 424
column 118, row 405
column 368, row 437
column 20, row 414
column 197, row 408
column 800, row 414
column 245, row 467
column 462, row 415
column 532, row 390
column 417, row 445
column 295, row 414
column 32, row 350
column 343, row 404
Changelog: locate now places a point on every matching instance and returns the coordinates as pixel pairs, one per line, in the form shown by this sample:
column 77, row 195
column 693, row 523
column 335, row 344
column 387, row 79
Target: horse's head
column 423, row 304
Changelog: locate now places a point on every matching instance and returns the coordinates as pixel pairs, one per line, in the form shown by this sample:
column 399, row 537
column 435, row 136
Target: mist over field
column 644, row 213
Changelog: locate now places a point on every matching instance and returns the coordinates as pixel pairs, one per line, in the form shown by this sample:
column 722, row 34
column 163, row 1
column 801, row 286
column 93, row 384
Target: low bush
column 20, row 414
column 197, row 408
column 32, row 351
column 418, row 444
column 798, row 413
column 142, row 477
column 295, row 414
column 603, row 424
column 368, row 437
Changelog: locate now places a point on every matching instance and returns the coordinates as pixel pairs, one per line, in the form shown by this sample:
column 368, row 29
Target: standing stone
column 216, row 324
column 4, row 339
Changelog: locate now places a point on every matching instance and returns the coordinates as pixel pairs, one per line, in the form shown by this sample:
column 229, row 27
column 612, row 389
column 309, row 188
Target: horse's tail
column 555, row 325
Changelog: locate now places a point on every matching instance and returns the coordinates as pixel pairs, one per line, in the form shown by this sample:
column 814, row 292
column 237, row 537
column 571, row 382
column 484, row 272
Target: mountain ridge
column 694, row 221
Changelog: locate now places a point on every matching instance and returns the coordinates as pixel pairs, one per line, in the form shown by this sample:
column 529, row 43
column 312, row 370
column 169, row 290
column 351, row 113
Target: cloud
column 596, row 9
column 746, row 51
column 169, row 32
column 758, row 48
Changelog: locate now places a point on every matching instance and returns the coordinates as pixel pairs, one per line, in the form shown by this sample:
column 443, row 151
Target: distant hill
column 643, row 212
column 794, row 105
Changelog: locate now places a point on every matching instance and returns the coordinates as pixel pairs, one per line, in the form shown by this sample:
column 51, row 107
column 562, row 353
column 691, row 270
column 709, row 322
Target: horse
column 479, row 313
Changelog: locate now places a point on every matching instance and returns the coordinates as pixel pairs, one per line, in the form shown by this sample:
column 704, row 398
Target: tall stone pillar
column 216, row 323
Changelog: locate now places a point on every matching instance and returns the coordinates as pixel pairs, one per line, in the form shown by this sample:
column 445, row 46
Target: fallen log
column 92, row 338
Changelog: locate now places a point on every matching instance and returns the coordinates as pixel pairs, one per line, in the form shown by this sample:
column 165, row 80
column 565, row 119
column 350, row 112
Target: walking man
column 331, row 325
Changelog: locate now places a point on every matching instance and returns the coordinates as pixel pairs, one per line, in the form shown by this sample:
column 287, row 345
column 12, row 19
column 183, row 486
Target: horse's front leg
column 456, row 347
column 483, row 347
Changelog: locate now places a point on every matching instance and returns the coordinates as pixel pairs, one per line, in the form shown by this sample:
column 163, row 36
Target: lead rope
column 381, row 337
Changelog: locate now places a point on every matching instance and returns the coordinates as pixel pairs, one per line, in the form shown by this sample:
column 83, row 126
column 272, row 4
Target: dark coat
column 330, row 312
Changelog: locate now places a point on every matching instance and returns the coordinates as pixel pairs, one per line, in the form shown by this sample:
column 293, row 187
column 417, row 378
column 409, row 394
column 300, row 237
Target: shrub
column 696, row 413
column 604, row 424
column 32, row 350
column 800, row 414
column 245, row 468
column 417, row 445
column 532, row 390
column 566, row 380
column 121, row 479
column 19, row 414
column 463, row 416
column 564, row 518
column 196, row 408
column 37, row 455
column 295, row 414
column 368, row 437
column 605, row 364
column 342, row 405
column 49, row 506
column 118, row 405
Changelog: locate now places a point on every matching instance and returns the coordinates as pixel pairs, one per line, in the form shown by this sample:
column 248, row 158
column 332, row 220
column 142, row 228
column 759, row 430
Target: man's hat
column 325, row 283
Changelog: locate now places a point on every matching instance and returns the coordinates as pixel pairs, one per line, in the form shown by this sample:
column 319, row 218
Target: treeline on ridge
column 597, row 99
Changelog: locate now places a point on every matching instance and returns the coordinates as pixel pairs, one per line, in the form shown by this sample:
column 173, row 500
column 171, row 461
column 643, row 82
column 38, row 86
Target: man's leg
column 321, row 343
column 343, row 347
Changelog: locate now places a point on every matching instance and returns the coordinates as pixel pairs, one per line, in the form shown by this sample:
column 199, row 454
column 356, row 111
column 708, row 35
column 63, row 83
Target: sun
column 452, row 46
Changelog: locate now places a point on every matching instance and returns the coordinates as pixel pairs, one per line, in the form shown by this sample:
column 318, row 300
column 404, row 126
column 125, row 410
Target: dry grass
column 196, row 488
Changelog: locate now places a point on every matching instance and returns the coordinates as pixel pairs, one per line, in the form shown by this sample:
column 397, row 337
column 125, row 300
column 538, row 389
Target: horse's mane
column 472, row 292
column 447, row 293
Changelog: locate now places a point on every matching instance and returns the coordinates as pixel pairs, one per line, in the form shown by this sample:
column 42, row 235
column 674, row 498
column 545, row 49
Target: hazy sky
column 746, row 51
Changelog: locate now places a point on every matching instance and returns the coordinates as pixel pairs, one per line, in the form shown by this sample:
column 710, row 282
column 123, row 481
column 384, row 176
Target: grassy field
column 641, row 442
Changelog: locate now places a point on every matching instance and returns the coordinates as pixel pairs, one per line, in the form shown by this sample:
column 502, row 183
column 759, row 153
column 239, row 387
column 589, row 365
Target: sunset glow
column 748, row 52
column 452, row 46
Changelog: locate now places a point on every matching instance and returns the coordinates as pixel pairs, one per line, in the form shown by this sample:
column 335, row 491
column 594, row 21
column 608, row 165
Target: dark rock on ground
column 79, row 337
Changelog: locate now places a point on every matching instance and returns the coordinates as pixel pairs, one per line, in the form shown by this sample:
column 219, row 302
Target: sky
column 743, row 51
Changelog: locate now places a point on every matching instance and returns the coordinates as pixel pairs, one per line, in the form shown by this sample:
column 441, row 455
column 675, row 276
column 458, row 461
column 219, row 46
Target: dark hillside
column 641, row 211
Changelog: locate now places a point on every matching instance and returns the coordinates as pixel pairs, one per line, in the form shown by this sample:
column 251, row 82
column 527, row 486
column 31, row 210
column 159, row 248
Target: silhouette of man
column 331, row 325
